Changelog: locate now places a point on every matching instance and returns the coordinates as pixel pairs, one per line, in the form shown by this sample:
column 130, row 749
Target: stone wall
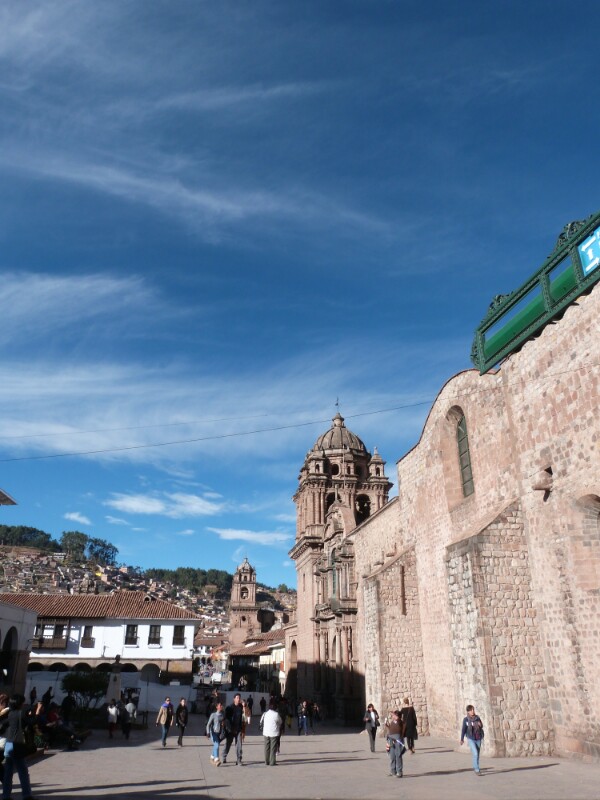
column 534, row 434
column 495, row 637
column 394, row 654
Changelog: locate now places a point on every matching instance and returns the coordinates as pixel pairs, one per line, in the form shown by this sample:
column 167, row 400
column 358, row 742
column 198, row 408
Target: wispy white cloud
column 175, row 506
column 205, row 203
column 285, row 517
column 35, row 306
column 75, row 516
column 255, row 537
column 116, row 520
column 186, row 532
column 219, row 98
column 55, row 407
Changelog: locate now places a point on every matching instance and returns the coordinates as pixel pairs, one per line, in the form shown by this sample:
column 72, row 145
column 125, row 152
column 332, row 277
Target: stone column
column 346, row 659
column 323, row 659
column 338, row 661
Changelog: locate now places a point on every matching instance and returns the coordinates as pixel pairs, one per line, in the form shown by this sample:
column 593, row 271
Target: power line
column 203, row 438
column 273, row 429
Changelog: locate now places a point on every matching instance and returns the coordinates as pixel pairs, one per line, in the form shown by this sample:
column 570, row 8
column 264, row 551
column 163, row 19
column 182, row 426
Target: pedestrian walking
column 302, row 718
column 181, row 720
column 215, row 730
column 371, row 720
column 234, row 718
column 408, row 717
column 246, row 713
column 270, row 725
column 47, row 697
column 394, row 744
column 472, row 730
column 112, row 717
column 4, row 711
column 165, row 720
column 283, row 709
column 263, row 705
column 129, row 715
column 15, row 750
column 67, row 707
column 32, row 696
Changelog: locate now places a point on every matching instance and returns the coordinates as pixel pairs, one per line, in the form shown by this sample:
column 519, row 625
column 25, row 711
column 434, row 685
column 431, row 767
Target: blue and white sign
column 589, row 252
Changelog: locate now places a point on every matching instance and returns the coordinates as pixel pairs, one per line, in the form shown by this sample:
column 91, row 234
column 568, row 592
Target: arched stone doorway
column 150, row 673
column 8, row 657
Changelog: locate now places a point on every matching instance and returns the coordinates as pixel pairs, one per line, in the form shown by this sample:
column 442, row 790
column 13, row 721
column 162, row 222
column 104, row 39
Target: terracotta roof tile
column 118, row 605
column 261, row 644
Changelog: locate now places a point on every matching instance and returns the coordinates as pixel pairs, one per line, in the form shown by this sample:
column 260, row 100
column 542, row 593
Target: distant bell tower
column 243, row 611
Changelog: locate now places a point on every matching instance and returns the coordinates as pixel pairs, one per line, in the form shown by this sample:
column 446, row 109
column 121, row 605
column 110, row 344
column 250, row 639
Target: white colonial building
column 89, row 631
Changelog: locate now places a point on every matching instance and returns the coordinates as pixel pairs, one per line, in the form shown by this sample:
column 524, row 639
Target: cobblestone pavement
column 332, row 763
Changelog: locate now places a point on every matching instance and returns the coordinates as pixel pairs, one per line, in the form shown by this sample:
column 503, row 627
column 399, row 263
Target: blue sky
column 220, row 217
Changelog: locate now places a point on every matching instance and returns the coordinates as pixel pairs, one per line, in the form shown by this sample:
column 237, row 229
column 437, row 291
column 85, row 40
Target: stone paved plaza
column 332, row 763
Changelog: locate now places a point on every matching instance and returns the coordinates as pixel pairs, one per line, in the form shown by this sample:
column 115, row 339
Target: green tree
column 282, row 588
column 22, row 536
column 88, row 687
column 74, row 543
column 102, row 551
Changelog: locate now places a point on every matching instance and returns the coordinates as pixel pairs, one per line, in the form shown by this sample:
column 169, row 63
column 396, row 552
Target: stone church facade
column 480, row 582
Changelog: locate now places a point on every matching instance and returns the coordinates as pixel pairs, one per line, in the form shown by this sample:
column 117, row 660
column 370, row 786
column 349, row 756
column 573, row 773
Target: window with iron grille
column 131, row 634
column 179, row 634
column 464, row 457
column 154, row 635
column 87, row 640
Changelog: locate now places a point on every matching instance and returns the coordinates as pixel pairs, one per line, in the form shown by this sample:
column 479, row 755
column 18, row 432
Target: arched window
column 464, row 457
column 362, row 508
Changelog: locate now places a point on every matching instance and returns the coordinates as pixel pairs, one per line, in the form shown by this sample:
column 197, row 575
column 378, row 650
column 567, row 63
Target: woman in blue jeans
column 12, row 761
column 472, row 730
column 215, row 727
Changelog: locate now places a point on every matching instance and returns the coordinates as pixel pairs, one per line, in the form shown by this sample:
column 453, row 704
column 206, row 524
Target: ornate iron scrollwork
column 569, row 230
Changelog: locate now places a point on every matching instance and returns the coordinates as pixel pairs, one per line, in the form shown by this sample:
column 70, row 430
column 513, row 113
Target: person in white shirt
column 270, row 724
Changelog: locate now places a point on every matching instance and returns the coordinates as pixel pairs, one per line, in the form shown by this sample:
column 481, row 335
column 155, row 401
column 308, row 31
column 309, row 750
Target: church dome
column 338, row 437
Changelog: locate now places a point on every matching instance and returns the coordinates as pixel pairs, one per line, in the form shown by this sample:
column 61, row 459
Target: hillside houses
column 25, row 570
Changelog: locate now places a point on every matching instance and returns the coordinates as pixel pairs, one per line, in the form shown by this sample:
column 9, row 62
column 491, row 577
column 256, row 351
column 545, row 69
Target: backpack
column 476, row 729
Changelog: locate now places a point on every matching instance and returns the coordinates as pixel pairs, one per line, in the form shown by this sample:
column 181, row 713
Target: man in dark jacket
column 234, row 724
column 472, row 729
column 14, row 756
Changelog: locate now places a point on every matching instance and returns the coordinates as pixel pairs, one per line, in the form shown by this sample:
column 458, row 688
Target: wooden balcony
column 50, row 643
column 87, row 641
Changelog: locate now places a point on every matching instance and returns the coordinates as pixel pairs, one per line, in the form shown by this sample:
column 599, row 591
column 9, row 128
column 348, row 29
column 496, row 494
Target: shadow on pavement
column 492, row 771
column 147, row 789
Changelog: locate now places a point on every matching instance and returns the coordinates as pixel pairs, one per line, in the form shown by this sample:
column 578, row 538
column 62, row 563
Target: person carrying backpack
column 215, row 729
column 472, row 730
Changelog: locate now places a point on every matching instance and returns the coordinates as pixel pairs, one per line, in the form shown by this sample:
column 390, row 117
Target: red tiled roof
column 261, row 644
column 210, row 641
column 118, row 605
column 270, row 637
